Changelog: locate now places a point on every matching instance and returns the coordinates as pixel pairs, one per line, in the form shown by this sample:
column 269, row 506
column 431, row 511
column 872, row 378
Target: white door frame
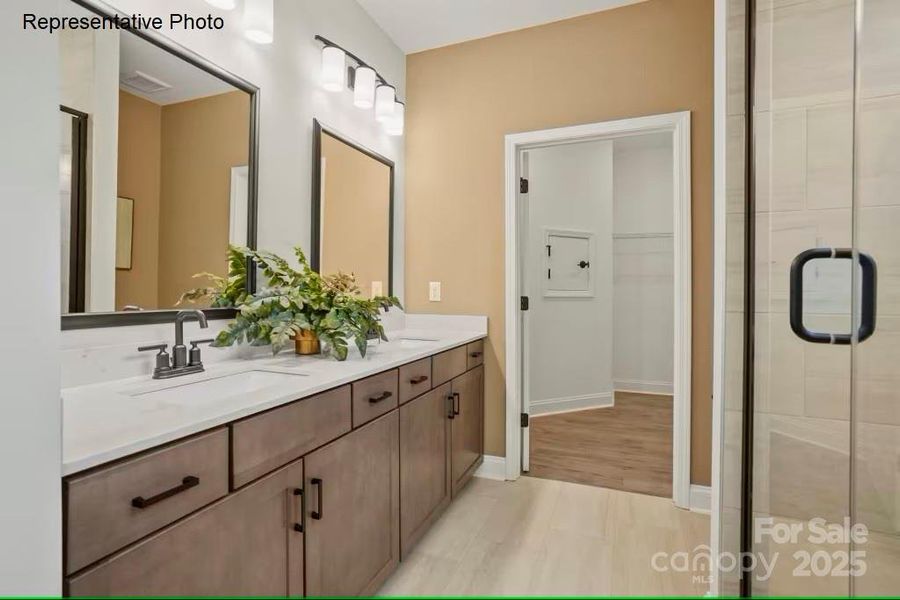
column 677, row 124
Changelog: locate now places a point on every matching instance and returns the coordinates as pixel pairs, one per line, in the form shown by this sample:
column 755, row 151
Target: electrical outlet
column 434, row 291
column 377, row 289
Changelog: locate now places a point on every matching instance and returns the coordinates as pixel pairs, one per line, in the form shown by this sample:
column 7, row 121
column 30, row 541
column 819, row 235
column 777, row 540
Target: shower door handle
column 869, row 288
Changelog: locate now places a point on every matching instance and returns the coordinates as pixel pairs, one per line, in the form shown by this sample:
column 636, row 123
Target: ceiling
column 187, row 81
column 417, row 25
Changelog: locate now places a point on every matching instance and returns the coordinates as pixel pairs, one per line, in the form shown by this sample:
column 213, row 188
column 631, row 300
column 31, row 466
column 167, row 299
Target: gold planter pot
column 306, row 342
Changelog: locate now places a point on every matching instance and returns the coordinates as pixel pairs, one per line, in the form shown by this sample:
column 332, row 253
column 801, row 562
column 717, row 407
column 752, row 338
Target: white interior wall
column 89, row 82
column 30, row 512
column 570, row 339
column 287, row 73
column 643, row 264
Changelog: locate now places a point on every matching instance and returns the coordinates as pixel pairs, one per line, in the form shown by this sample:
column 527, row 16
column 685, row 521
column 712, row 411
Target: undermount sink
column 413, row 343
column 227, row 385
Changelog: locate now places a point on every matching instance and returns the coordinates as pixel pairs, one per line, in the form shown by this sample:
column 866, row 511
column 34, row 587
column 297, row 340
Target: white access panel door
column 568, row 256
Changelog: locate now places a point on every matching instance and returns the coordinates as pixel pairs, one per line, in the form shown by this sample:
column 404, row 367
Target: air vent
column 144, row 83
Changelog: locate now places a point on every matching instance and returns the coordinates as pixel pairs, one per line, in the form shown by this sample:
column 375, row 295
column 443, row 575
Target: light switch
column 434, row 291
column 377, row 289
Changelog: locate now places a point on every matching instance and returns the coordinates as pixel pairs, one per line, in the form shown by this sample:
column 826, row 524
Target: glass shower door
column 802, row 199
column 820, row 497
column 875, row 411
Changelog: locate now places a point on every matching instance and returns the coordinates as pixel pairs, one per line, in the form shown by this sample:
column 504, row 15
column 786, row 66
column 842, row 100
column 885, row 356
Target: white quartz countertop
column 106, row 421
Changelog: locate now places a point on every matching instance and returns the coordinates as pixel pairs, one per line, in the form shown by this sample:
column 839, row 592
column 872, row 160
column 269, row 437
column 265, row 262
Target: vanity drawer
column 474, row 354
column 374, row 396
column 448, row 365
column 415, row 379
column 114, row 506
column 263, row 443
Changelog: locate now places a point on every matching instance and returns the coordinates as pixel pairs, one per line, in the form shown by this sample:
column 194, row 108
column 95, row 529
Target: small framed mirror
column 158, row 170
column 352, row 212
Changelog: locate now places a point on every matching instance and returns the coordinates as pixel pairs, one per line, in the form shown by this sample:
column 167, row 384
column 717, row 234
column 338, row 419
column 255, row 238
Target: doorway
column 581, row 272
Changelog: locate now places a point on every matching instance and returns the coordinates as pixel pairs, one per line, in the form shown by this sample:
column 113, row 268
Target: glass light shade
column 333, row 68
column 393, row 125
column 259, row 21
column 223, row 4
column 384, row 102
column 364, row 87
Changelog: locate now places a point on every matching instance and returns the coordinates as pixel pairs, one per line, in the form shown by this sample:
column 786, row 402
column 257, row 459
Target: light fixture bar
column 359, row 62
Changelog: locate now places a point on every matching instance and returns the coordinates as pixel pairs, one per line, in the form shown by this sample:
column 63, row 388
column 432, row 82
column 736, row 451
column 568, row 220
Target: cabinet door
column 243, row 545
column 353, row 511
column 424, row 463
column 467, row 426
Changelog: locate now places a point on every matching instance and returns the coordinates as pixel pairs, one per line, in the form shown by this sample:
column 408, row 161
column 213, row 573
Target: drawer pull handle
column 418, row 379
column 319, row 512
column 186, row 484
column 298, row 527
column 475, row 354
column 382, row 397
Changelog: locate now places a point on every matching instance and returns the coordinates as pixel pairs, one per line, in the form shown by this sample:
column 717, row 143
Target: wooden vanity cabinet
column 326, row 492
column 467, row 427
column 244, row 544
column 424, row 463
column 353, row 511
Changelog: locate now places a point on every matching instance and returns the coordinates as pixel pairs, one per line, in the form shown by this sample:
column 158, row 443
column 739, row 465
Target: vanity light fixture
column 394, row 124
column 364, row 87
column 259, row 21
column 334, row 68
column 223, row 4
column 369, row 88
column 385, row 98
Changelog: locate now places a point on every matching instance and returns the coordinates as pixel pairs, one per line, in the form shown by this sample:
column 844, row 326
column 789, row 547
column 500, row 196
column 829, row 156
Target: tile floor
column 542, row 537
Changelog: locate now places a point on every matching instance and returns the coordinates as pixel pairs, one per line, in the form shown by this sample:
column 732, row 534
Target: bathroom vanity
column 309, row 477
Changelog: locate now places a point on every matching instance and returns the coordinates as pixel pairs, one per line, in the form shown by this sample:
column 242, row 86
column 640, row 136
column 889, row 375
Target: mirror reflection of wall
column 168, row 147
column 355, row 215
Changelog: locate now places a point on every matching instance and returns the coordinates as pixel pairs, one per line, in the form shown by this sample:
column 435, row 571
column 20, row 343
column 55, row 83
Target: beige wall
column 355, row 215
column 647, row 58
column 201, row 140
column 139, row 179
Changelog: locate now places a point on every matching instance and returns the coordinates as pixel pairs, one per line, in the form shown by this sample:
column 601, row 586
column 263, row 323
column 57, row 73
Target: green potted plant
column 223, row 292
column 297, row 303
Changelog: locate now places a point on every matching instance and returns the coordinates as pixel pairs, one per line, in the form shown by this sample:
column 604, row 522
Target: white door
column 522, row 227
column 566, row 273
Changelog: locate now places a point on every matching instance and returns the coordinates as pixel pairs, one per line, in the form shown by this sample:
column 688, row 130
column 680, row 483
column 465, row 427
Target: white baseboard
column 645, row 387
column 701, row 498
column 558, row 405
column 493, row 467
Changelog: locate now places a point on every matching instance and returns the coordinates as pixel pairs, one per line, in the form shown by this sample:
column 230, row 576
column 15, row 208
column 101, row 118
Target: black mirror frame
column 149, row 317
column 315, row 236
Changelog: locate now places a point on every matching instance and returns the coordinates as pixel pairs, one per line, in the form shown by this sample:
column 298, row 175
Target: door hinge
column 523, row 185
column 523, row 302
column 524, row 420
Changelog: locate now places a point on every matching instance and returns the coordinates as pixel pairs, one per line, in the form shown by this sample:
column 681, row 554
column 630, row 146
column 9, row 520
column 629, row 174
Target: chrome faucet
column 183, row 362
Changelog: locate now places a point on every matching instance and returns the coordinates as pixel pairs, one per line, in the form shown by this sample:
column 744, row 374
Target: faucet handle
column 162, row 358
column 195, row 351
column 160, row 347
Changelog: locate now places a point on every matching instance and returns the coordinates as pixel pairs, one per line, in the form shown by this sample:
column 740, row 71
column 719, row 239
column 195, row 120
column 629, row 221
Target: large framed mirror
column 352, row 211
column 158, row 172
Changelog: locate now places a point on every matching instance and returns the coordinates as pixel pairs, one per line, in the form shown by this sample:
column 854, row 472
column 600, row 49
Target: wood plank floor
column 624, row 447
column 541, row 537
